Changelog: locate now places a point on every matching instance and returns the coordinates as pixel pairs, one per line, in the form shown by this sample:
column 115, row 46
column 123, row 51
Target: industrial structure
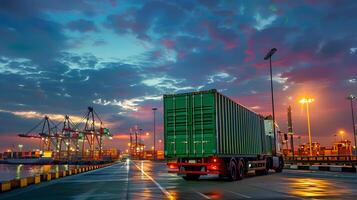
column 136, row 145
column 72, row 141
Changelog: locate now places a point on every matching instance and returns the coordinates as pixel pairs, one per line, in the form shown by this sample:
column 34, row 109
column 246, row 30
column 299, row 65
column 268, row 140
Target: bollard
column 23, row 182
column 6, row 186
column 54, row 175
column 30, row 180
column 48, row 177
column 37, row 179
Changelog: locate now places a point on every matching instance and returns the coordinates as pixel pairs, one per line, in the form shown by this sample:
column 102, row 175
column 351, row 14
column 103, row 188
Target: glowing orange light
column 306, row 100
column 172, row 166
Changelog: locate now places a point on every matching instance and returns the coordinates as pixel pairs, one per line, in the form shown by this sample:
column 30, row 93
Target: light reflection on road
column 308, row 187
column 12, row 171
column 148, row 181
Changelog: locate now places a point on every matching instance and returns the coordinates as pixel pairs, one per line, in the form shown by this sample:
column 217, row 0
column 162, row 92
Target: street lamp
column 268, row 56
column 20, row 147
column 154, row 110
column 341, row 132
column 351, row 98
column 307, row 101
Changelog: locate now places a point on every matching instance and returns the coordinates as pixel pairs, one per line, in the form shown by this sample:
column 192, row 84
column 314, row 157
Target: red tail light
column 172, row 165
column 212, row 167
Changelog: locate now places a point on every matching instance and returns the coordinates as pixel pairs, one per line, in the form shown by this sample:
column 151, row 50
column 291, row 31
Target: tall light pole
column 307, row 101
column 154, row 110
column 351, row 98
column 290, row 131
column 141, row 145
column 268, row 56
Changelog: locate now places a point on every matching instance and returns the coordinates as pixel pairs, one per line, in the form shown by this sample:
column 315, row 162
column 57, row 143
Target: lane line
column 239, row 194
column 163, row 190
column 203, row 195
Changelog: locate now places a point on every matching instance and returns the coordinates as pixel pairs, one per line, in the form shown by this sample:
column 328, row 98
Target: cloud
column 262, row 23
column 54, row 117
column 60, row 58
column 221, row 76
column 166, row 84
column 82, row 25
column 126, row 104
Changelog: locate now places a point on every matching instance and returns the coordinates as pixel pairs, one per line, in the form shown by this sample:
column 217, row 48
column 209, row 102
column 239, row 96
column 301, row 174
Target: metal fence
column 322, row 160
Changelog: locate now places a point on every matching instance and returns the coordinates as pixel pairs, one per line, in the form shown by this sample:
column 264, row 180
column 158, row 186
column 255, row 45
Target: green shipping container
column 207, row 123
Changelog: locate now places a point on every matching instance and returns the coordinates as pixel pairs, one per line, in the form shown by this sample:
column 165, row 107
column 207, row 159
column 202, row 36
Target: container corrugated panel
column 189, row 123
column 206, row 123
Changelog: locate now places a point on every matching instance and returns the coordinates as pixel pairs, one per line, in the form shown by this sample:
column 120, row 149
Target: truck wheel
column 281, row 165
column 232, row 171
column 240, row 170
column 190, row 177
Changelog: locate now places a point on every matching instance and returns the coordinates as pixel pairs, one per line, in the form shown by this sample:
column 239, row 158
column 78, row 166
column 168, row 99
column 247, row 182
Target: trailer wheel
column 232, row 170
column 190, row 177
column 240, row 170
column 281, row 165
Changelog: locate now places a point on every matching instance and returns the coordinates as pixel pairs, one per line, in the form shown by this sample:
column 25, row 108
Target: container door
column 203, row 137
column 177, row 125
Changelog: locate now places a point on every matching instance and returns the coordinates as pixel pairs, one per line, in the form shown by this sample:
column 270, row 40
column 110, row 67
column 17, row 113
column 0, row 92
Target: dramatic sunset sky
column 57, row 57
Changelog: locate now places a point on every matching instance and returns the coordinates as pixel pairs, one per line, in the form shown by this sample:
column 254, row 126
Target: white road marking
column 163, row 190
column 239, row 194
column 203, row 195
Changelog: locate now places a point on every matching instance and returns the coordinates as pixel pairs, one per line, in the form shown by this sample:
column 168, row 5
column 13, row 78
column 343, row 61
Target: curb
column 322, row 168
column 32, row 180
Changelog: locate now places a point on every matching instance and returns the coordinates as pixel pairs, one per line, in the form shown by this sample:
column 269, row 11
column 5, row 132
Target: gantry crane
column 90, row 132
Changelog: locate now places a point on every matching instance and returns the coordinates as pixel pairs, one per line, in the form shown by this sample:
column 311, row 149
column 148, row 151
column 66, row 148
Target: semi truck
column 206, row 133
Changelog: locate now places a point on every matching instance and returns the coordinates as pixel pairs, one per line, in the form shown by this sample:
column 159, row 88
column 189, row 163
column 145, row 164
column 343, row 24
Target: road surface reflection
column 308, row 187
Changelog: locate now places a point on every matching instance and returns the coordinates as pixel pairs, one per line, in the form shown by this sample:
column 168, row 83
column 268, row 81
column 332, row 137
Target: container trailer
column 208, row 133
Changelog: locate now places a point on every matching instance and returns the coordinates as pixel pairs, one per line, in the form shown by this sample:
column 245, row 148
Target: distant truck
column 208, row 133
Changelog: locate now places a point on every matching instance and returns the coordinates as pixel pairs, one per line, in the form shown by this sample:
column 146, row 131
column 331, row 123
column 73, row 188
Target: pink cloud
column 143, row 113
column 226, row 36
column 169, row 44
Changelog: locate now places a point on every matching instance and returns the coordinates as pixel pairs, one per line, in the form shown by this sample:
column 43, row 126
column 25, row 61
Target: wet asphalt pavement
column 150, row 180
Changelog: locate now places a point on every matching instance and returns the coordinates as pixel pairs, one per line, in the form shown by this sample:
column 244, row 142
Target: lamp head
column 351, row 97
column 306, row 100
column 270, row 53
